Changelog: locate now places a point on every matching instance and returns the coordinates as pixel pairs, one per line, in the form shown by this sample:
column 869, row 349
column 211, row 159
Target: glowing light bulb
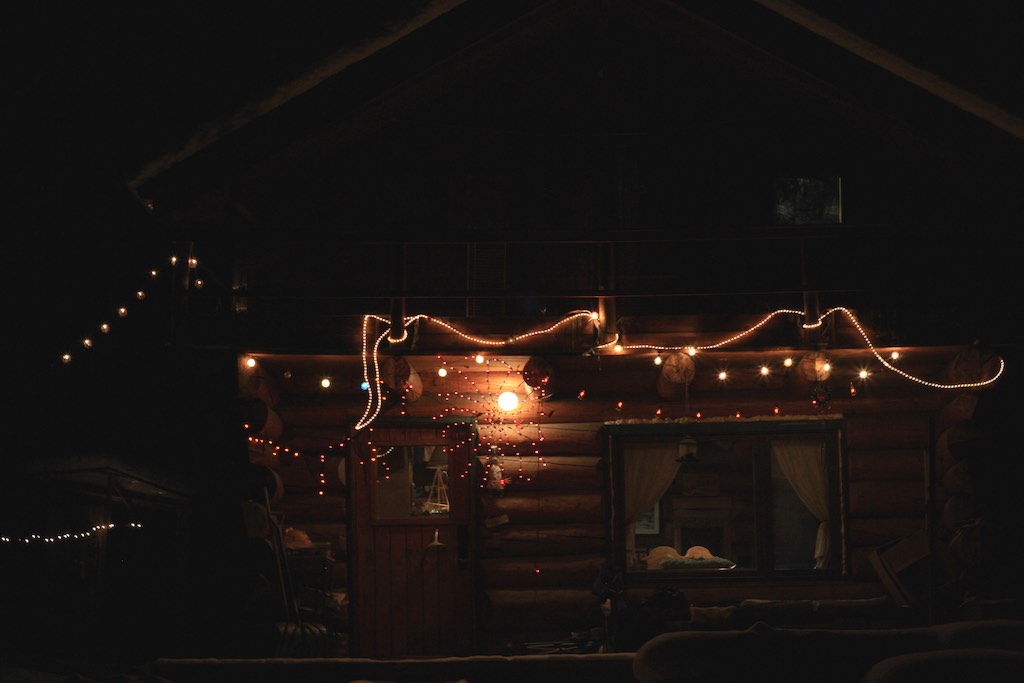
column 895, row 355
column 788, row 362
column 325, row 382
column 66, row 358
column 508, row 401
column 479, row 358
column 617, row 348
column 104, row 328
column 140, row 295
column 863, row 374
column 442, row 372
column 87, row 343
column 722, row 375
column 122, row 312
column 250, row 362
column 692, row 350
column 765, row 371
column 364, row 385
column 657, row 360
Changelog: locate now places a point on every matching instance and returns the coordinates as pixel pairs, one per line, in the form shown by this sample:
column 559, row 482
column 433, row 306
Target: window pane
column 794, row 528
column 412, row 481
column 748, row 500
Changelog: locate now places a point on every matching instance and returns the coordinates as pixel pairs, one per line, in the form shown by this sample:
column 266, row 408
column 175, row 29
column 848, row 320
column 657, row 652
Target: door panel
column 413, row 583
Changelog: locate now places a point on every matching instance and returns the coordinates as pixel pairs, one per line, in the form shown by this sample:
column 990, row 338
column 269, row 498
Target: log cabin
column 549, row 327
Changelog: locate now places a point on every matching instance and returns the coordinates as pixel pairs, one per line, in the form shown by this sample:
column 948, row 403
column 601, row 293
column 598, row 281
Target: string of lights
column 68, row 535
column 104, row 327
column 371, row 368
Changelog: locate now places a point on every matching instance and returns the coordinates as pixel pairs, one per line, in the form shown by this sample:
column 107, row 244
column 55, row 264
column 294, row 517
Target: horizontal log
column 880, row 498
column 552, row 473
column 885, row 430
column 597, row 406
column 632, row 371
column 871, row 532
column 557, row 438
column 886, row 464
column 540, row 572
column 570, row 609
column 872, row 424
column 543, row 540
column 584, row 506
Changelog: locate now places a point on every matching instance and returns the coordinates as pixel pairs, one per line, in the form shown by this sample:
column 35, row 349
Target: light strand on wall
column 371, row 352
column 693, row 348
column 67, row 536
column 483, row 404
column 936, row 385
column 371, row 369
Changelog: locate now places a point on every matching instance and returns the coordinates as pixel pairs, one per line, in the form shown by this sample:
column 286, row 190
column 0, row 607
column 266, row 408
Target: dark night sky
column 90, row 92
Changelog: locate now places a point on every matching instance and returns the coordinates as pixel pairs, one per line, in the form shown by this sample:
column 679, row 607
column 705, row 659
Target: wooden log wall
column 543, row 540
column 543, row 537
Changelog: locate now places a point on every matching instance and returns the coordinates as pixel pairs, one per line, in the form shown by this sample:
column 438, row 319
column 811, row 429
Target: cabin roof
column 358, row 156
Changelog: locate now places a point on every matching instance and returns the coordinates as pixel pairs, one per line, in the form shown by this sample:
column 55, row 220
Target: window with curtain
column 728, row 498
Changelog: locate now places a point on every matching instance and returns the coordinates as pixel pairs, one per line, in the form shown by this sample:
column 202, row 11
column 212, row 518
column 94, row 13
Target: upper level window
column 736, row 499
column 808, row 201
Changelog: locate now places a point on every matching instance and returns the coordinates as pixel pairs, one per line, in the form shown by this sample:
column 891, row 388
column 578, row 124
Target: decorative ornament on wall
column 815, row 367
column 677, row 371
column 400, row 379
column 821, row 395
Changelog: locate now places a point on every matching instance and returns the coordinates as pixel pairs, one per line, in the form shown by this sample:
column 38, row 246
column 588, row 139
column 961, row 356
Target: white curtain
column 648, row 471
column 803, row 463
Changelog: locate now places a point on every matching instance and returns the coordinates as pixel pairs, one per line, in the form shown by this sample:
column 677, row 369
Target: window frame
column 767, row 428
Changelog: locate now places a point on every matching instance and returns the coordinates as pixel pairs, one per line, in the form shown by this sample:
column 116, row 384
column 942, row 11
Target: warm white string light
column 906, row 375
column 371, row 368
column 122, row 311
column 693, row 348
column 67, row 536
column 375, row 398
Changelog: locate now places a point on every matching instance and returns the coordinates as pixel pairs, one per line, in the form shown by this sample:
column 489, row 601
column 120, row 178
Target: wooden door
column 413, row 577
